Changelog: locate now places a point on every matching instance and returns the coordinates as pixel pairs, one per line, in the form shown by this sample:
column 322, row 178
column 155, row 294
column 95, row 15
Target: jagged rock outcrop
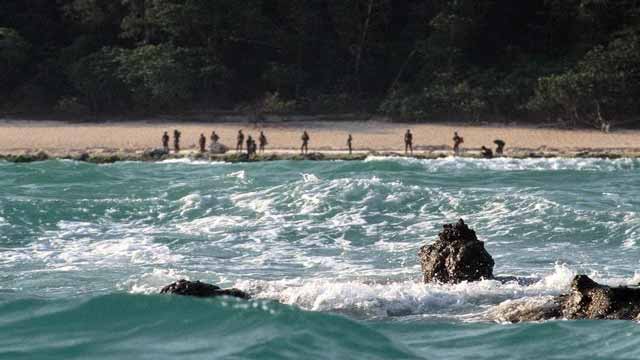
column 200, row 289
column 218, row 148
column 456, row 256
column 590, row 300
column 586, row 300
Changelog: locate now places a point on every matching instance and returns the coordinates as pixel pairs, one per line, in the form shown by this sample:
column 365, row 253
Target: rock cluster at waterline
column 456, row 256
column 200, row 289
column 590, row 300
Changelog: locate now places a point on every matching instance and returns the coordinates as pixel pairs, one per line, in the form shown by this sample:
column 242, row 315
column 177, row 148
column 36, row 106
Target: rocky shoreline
column 457, row 255
column 102, row 156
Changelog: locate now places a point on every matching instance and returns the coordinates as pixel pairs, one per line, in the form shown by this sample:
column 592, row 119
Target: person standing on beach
column 457, row 140
column 165, row 142
column 350, row 143
column 203, row 143
column 499, row 146
column 214, row 137
column 253, row 150
column 249, row 144
column 305, row 143
column 240, row 141
column 263, row 141
column 408, row 142
column 176, row 140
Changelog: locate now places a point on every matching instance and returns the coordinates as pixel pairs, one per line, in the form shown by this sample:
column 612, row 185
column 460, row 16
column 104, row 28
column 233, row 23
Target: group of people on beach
column 252, row 148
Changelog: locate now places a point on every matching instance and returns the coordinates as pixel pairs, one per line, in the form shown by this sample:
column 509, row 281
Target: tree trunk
column 363, row 39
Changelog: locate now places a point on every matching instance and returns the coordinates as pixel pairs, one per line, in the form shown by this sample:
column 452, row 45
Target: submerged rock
column 590, row 300
column 200, row 289
column 456, row 256
column 527, row 309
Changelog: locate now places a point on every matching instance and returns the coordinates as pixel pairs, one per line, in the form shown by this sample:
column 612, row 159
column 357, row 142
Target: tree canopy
column 570, row 61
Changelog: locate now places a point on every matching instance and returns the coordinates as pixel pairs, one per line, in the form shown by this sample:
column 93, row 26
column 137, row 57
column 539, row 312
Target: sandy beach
column 58, row 137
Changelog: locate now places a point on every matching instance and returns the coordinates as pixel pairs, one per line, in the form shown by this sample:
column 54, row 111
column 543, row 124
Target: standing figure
column 499, row 146
column 305, row 143
column 350, row 143
column 263, row 141
column 408, row 142
column 214, row 137
column 249, row 144
column 240, row 141
column 165, row 142
column 176, row 140
column 253, row 150
column 202, row 142
column 457, row 140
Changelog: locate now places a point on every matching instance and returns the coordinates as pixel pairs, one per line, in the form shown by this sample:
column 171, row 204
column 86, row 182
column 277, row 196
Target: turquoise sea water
column 328, row 249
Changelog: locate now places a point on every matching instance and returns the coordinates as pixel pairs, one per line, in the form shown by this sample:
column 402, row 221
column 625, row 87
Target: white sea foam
column 188, row 161
column 87, row 245
column 380, row 299
column 511, row 164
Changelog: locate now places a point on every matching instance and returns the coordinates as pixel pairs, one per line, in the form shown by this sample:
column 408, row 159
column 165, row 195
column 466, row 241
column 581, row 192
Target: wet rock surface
column 218, row 148
column 200, row 289
column 456, row 256
column 590, row 300
column 155, row 154
column 585, row 300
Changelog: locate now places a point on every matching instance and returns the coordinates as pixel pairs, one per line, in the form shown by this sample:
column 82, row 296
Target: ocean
column 328, row 249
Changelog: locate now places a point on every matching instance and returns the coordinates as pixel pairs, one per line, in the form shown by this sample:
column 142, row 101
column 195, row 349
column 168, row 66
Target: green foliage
column 273, row 103
column 458, row 59
column 602, row 86
column 155, row 76
column 14, row 56
column 96, row 77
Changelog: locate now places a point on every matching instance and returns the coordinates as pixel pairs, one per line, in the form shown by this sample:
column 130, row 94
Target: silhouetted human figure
column 350, row 143
column 202, row 142
column 457, row 140
column 249, row 144
column 408, row 142
column 240, row 141
column 254, row 148
column 305, row 143
column 165, row 142
column 214, row 137
column 486, row 152
column 263, row 141
column 499, row 146
column 176, row 140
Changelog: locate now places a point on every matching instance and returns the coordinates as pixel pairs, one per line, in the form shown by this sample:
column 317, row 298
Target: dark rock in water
column 200, row 289
column 218, row 148
column 456, row 256
column 155, row 154
column 586, row 300
column 590, row 300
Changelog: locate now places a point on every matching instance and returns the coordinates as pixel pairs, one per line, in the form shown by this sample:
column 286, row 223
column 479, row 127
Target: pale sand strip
column 50, row 136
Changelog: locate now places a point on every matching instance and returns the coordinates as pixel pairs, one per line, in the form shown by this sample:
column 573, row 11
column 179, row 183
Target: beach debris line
column 199, row 289
column 457, row 255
